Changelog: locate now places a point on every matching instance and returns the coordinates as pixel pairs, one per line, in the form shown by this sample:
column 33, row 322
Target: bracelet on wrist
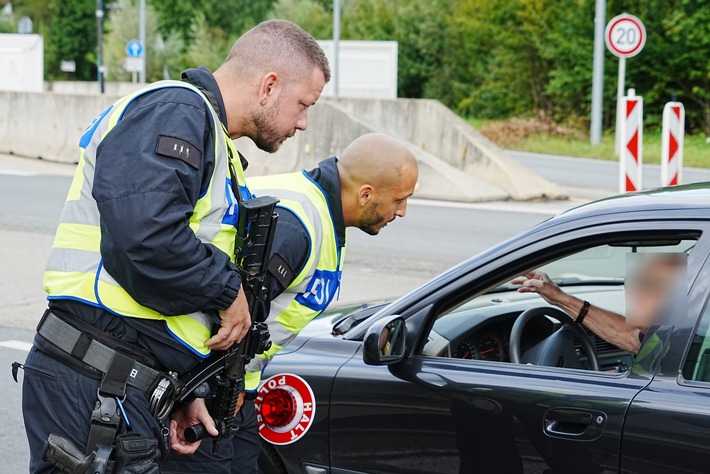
column 582, row 312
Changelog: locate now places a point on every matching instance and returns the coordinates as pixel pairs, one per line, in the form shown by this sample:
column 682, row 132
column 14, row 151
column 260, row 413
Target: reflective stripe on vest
column 317, row 284
column 75, row 268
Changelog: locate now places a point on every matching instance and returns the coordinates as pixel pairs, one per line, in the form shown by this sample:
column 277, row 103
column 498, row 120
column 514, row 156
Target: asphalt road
column 433, row 237
column 594, row 179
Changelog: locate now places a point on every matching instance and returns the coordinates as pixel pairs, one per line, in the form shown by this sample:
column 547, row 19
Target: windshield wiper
column 349, row 322
column 578, row 282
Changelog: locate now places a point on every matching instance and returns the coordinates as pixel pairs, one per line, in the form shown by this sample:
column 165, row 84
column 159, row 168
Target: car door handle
column 574, row 423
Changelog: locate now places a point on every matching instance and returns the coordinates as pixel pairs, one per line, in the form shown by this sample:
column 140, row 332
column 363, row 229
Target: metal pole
column 595, row 128
column 99, row 44
column 619, row 104
column 336, row 47
column 141, row 38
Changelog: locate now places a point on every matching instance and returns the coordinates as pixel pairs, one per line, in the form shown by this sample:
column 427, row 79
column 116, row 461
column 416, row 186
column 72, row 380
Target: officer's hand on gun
column 194, row 413
column 236, row 322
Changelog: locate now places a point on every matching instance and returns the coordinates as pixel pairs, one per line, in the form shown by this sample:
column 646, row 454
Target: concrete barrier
column 47, row 126
column 331, row 128
column 435, row 128
column 91, row 87
column 456, row 161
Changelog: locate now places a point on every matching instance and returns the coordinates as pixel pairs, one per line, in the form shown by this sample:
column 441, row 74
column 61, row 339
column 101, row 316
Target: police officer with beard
column 141, row 267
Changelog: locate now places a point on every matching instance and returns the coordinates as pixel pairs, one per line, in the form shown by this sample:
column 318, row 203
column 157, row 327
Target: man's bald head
column 277, row 46
column 377, row 175
column 376, row 159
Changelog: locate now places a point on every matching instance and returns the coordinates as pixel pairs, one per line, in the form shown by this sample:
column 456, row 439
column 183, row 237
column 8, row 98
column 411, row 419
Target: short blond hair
column 279, row 46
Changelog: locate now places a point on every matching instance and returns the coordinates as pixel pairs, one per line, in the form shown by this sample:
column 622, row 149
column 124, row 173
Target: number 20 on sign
column 625, row 36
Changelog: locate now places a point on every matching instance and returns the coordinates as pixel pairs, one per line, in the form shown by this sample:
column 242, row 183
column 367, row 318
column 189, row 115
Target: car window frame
column 699, row 288
column 580, row 238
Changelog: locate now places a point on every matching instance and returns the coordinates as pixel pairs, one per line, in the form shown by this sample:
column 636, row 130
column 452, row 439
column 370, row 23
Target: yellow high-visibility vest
column 317, row 284
column 75, row 267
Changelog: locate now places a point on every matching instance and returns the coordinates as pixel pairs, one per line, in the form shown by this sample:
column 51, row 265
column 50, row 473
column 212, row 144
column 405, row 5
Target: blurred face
column 386, row 204
column 286, row 111
column 648, row 289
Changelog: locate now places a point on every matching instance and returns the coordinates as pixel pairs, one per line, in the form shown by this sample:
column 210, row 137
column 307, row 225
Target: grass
column 571, row 142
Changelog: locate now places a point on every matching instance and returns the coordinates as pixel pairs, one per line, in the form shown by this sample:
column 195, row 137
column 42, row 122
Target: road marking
column 544, row 156
column 543, row 208
column 17, row 173
column 19, row 345
column 595, row 161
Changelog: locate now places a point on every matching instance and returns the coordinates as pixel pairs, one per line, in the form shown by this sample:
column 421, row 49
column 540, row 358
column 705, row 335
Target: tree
column 163, row 55
column 72, row 36
column 235, row 16
column 675, row 61
column 488, row 68
column 38, row 11
column 232, row 17
column 686, row 32
column 310, row 15
column 418, row 26
column 209, row 47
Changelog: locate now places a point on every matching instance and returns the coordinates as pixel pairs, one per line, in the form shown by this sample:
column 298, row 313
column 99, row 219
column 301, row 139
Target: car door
column 439, row 415
column 668, row 424
column 443, row 415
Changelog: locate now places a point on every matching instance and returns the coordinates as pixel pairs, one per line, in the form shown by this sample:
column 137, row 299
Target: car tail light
column 278, row 408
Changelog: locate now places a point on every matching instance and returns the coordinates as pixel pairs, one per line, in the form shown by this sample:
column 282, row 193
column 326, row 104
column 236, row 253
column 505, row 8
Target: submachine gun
column 220, row 378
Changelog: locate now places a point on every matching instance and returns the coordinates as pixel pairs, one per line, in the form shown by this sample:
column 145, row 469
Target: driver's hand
column 538, row 282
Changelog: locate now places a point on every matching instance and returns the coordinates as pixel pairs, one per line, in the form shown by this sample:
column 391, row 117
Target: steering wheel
column 557, row 349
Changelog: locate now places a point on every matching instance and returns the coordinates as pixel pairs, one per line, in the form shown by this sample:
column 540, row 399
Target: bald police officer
column 367, row 187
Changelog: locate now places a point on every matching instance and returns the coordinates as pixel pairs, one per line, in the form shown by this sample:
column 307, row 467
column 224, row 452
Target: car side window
column 697, row 363
column 623, row 281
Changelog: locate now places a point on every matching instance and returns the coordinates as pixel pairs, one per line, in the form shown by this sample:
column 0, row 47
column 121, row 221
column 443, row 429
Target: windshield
column 602, row 265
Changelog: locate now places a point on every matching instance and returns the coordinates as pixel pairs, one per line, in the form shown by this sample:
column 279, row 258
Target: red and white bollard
column 631, row 153
column 672, row 144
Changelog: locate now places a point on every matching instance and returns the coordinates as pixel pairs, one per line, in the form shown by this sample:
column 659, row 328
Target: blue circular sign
column 134, row 49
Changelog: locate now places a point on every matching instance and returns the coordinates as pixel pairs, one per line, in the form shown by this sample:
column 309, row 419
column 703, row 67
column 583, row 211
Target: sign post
column 595, row 125
column 625, row 37
column 134, row 62
column 631, row 155
column 672, row 141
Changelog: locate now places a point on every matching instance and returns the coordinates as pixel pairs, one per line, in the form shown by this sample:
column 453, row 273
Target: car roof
column 690, row 200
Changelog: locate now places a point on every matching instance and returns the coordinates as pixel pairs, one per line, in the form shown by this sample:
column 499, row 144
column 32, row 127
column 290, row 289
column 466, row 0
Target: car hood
column 322, row 326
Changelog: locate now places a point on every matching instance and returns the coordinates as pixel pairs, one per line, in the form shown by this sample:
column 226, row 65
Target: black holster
column 131, row 454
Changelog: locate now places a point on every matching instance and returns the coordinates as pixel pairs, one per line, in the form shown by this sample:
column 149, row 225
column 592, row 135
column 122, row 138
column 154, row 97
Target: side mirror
column 385, row 341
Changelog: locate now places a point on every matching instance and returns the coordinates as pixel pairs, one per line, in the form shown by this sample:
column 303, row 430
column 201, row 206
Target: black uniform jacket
column 145, row 200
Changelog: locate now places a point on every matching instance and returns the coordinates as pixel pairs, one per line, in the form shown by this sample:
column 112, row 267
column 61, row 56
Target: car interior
column 479, row 328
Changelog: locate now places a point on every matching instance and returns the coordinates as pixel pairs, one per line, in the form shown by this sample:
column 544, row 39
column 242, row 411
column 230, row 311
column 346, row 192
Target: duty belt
column 96, row 354
column 159, row 388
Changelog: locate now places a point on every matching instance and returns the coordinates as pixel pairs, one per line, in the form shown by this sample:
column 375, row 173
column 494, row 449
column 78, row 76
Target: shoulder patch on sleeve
column 281, row 270
column 178, row 148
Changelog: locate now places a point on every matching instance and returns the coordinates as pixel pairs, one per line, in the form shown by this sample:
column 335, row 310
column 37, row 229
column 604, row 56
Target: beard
column 266, row 135
column 370, row 220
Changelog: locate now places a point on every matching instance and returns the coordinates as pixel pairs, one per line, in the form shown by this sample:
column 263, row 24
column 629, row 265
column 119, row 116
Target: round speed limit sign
column 625, row 36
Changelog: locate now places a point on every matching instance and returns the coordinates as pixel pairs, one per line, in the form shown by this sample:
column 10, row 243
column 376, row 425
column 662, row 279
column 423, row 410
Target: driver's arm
column 608, row 325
